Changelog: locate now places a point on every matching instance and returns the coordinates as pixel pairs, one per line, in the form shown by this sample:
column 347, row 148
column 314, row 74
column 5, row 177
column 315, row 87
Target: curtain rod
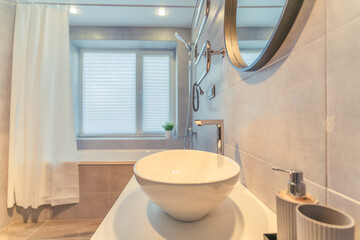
column 130, row 5
column 105, row 5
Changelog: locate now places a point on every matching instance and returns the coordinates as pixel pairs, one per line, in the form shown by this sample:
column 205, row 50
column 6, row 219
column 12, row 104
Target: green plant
column 168, row 126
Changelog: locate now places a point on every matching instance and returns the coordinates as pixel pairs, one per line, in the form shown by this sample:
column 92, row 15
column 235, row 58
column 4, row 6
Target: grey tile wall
column 7, row 20
column 343, row 107
column 301, row 111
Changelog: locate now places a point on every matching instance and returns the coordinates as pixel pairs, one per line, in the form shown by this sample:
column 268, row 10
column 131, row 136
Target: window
column 126, row 93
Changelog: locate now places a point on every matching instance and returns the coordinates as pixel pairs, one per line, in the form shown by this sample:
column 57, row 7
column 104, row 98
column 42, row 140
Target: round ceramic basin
column 187, row 184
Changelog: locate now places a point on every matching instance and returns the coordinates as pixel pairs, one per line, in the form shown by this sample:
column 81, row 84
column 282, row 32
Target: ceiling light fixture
column 73, row 10
column 161, row 12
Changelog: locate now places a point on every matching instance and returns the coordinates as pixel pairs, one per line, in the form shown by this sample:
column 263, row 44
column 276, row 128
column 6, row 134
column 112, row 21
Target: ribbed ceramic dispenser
column 317, row 222
column 286, row 202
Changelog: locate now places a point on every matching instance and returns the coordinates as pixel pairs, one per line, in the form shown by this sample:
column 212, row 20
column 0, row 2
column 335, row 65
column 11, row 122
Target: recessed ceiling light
column 161, row 12
column 73, row 10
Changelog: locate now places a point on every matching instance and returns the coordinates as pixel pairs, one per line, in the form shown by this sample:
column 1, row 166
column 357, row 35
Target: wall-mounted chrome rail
column 206, row 15
column 207, row 52
column 198, row 11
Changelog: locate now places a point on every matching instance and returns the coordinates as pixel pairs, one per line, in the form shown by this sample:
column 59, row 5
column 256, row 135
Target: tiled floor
column 52, row 229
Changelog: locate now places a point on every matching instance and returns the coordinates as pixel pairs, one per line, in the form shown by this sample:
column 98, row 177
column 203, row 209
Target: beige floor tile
column 67, row 229
column 19, row 230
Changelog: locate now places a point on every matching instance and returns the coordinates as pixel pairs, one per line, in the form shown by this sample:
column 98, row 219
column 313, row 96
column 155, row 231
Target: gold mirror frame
column 287, row 18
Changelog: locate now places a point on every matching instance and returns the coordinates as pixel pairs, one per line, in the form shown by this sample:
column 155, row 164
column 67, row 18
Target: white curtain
column 43, row 166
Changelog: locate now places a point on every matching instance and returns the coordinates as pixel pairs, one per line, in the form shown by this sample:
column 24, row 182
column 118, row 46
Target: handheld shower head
column 178, row 36
column 181, row 39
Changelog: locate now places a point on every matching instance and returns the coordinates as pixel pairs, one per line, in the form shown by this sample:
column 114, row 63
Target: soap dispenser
column 286, row 202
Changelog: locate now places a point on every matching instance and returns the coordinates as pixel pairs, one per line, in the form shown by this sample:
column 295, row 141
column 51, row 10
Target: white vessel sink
column 187, row 184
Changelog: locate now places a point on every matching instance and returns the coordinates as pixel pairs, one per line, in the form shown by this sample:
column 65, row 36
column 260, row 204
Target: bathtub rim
column 115, row 162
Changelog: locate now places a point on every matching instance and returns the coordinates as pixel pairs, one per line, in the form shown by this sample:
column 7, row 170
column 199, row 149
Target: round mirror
column 255, row 30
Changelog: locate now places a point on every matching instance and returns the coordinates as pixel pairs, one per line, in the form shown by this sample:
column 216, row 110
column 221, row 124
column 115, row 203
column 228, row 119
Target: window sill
column 124, row 138
column 130, row 143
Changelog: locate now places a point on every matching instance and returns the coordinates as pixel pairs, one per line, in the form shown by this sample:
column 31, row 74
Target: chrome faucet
column 220, row 132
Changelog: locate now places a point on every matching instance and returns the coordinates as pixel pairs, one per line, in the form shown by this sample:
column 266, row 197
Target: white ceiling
column 141, row 13
column 131, row 13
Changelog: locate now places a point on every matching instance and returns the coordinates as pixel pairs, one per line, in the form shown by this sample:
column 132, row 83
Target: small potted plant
column 168, row 127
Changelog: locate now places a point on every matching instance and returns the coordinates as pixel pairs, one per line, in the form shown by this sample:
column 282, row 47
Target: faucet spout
column 220, row 132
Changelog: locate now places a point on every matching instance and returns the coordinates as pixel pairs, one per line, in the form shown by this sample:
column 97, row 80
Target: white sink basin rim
column 187, row 184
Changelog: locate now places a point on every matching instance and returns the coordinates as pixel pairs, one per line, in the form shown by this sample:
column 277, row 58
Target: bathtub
column 118, row 157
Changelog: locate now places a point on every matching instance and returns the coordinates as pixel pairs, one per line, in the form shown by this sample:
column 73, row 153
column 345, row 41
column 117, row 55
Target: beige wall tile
column 93, row 205
column 343, row 86
column 119, row 176
column 93, row 178
column 347, row 205
column 113, row 196
column 100, row 186
column 341, row 12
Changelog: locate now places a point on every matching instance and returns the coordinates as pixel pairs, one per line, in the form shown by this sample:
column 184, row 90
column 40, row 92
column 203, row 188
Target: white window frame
column 139, row 91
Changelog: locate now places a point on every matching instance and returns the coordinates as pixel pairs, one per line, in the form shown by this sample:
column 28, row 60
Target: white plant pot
column 168, row 134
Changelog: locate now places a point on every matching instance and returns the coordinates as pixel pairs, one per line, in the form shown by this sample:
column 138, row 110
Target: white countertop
column 134, row 217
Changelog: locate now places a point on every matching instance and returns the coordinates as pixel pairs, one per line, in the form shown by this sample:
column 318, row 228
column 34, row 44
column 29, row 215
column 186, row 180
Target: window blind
column 156, row 91
column 108, row 93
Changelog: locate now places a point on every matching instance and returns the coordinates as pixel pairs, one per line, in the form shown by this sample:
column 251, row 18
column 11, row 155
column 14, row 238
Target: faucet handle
column 296, row 186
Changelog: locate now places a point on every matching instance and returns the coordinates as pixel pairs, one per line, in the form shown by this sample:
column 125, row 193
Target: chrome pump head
column 181, row 39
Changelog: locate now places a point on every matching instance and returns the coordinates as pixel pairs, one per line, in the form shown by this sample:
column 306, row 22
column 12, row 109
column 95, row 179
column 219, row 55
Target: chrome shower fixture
column 187, row 45
column 201, row 91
